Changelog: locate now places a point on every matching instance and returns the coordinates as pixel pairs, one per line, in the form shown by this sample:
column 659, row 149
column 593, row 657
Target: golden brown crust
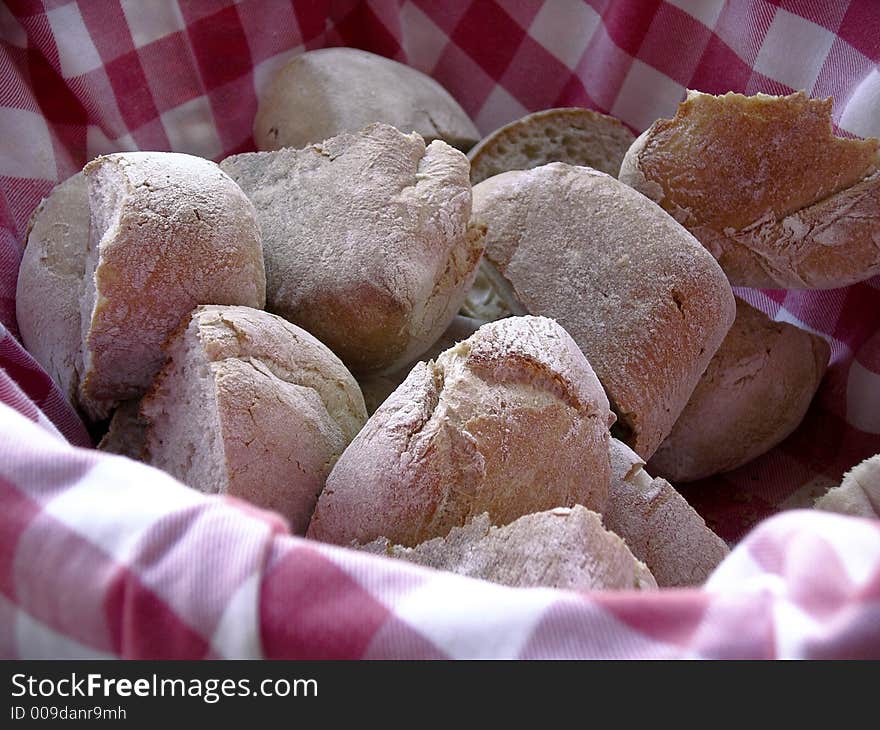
column 765, row 185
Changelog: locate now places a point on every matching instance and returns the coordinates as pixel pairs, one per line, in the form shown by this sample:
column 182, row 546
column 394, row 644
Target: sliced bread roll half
column 658, row 524
column 566, row 547
column 367, row 240
column 50, row 278
column 754, row 393
column 644, row 301
column 571, row 135
column 859, row 492
column 168, row 232
column 251, row 406
column 764, row 184
column 127, row 433
column 323, row 93
column 511, row 421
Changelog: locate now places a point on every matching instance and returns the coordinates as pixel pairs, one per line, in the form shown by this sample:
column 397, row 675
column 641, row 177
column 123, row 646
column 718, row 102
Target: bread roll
column 754, row 393
column 560, row 548
column 367, row 240
column 859, row 492
column 511, row 421
column 168, row 232
column 571, row 135
column 251, row 406
column 127, row 432
column 765, row 185
column 47, row 298
column 323, row 93
column 658, row 524
column 376, row 388
column 643, row 300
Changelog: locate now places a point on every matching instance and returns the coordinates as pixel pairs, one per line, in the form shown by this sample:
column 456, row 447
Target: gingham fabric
column 100, row 556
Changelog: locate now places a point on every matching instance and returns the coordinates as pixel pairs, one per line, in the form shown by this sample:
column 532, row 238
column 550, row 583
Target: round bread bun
column 367, row 240
column 766, row 187
column 644, row 301
column 859, row 492
column 168, row 232
column 754, row 393
column 251, row 406
column 658, row 524
column 560, row 548
column 50, row 277
column 322, row 93
column 511, row 421
column 572, row 135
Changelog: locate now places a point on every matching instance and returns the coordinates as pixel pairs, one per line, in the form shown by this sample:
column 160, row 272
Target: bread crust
column 560, row 548
column 626, row 281
column 47, row 298
column 754, row 393
column 168, row 232
column 509, row 422
column 658, row 524
column 767, row 188
column 367, row 240
column 572, row 135
column 326, row 92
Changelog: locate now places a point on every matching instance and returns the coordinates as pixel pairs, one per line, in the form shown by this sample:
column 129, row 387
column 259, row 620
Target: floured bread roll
column 571, row 135
column 511, row 421
column 754, row 393
column 765, row 185
column 644, row 301
column 47, row 298
column 251, row 406
column 367, row 240
column 323, row 93
column 168, row 232
column 658, row 524
column 560, row 548
column 376, row 388
column 858, row 493
column 127, row 432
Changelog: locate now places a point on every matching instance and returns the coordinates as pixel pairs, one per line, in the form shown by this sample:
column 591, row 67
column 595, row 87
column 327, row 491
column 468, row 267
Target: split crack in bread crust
column 367, row 240
column 251, row 406
column 168, row 232
column 766, row 187
column 753, row 395
column 50, row 282
column 326, row 92
column 561, row 548
column 658, row 524
column 644, row 301
column 572, row 135
column 858, row 493
column 511, row 421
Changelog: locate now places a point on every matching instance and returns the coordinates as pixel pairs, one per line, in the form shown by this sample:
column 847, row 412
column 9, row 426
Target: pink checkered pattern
column 104, row 557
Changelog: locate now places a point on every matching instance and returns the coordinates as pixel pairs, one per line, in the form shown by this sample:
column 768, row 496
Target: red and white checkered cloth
column 100, row 556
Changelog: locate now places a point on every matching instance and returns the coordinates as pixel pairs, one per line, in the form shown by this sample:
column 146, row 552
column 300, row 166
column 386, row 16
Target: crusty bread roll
column 127, row 433
column 376, row 388
column 644, row 301
column 858, row 493
column 765, row 185
column 658, row 524
column 754, row 393
column 560, row 548
column 511, row 421
column 323, row 93
column 572, row 135
column 367, row 240
column 252, row 406
column 47, row 298
column 168, row 232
